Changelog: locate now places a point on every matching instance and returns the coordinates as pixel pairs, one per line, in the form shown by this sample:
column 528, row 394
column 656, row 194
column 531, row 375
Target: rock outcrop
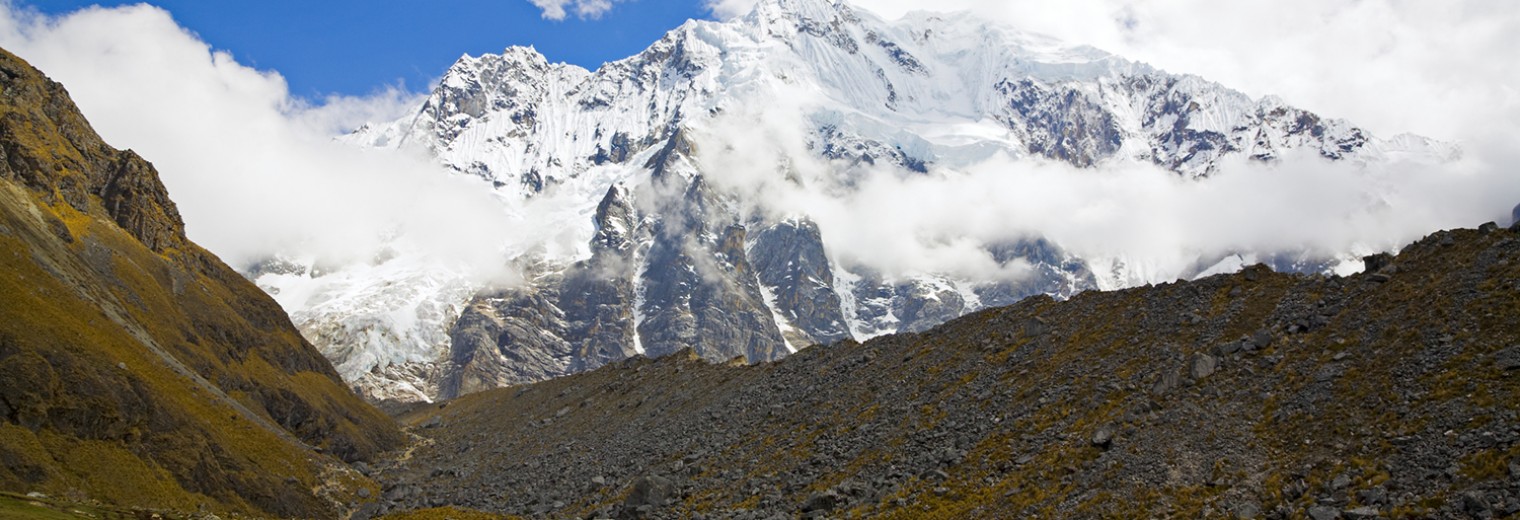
column 135, row 367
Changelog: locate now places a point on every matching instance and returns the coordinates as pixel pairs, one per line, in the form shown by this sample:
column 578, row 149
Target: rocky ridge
column 1391, row 393
column 136, row 369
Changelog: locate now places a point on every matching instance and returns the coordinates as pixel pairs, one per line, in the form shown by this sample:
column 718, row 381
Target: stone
column 599, row 480
column 1360, row 513
column 1340, row 482
column 1324, row 513
column 1488, row 227
column 1375, row 263
column 1247, row 511
column 1261, row 339
column 1510, row 507
column 650, row 491
column 1508, row 359
column 825, row 501
column 1103, row 438
column 1204, row 365
column 1168, row 381
column 1328, row 373
column 1228, row 348
column 1373, row 495
column 947, row 456
column 1474, row 504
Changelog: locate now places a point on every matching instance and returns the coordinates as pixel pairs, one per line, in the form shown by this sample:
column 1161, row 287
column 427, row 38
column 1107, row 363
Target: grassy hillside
column 135, row 367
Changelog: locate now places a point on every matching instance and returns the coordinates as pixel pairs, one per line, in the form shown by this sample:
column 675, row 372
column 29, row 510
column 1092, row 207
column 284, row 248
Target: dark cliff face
column 1394, row 393
column 789, row 257
column 670, row 269
column 135, row 367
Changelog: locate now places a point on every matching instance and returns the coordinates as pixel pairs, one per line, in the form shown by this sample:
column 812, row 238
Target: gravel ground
column 1391, row 393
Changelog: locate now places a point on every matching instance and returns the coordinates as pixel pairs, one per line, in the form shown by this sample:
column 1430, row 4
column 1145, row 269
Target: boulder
column 1204, row 365
column 1324, row 513
column 825, row 501
column 1375, row 263
column 652, row 491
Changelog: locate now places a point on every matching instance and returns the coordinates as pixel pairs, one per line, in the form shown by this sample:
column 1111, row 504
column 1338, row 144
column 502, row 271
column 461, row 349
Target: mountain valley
column 704, row 306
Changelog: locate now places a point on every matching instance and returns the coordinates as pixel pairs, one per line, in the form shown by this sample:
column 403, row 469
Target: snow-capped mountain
column 667, row 254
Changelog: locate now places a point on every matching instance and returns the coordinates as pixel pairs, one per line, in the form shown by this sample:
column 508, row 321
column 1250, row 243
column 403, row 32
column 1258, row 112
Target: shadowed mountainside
column 1392, row 393
column 135, row 367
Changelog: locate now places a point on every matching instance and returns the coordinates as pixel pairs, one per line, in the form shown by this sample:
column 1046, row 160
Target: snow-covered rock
column 674, row 259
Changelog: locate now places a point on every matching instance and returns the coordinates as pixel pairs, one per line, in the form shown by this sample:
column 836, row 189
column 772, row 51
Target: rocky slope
column 664, row 253
column 137, row 369
column 1390, row 393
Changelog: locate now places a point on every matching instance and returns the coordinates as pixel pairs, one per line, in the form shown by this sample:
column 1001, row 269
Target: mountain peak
column 772, row 11
column 922, row 93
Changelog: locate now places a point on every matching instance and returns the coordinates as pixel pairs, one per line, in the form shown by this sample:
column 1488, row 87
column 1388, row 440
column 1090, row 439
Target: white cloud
column 254, row 172
column 253, row 169
column 1392, row 66
column 1158, row 224
column 558, row 9
column 1446, row 70
column 727, row 9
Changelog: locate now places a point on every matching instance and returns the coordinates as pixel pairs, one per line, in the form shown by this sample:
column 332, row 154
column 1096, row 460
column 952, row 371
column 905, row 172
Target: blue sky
column 357, row 46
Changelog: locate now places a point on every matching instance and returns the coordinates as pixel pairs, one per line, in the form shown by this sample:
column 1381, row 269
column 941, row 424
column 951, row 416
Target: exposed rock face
column 507, row 339
column 138, row 369
column 700, row 291
column 1242, row 395
column 670, row 276
column 598, row 295
column 790, row 259
column 1060, row 123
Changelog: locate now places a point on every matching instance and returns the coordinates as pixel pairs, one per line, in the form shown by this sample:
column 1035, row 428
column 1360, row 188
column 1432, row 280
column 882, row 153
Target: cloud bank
column 1444, row 70
column 255, row 173
column 1135, row 223
column 558, row 9
column 252, row 168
